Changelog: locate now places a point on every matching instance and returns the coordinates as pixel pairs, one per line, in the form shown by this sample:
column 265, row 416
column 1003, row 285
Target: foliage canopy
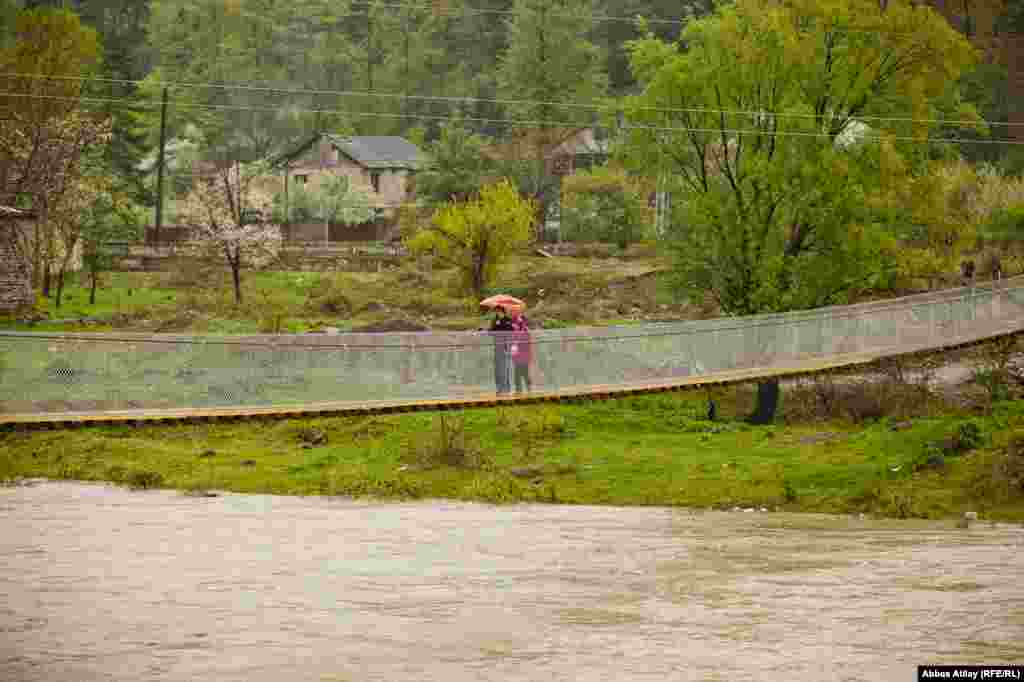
column 477, row 236
column 761, row 120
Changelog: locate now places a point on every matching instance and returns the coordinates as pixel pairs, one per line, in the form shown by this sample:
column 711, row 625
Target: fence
column 139, row 256
column 44, row 373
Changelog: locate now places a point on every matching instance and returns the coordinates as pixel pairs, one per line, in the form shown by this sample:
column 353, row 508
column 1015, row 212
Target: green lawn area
column 643, row 450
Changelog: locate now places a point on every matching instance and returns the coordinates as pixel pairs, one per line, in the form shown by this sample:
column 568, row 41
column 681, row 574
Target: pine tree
column 551, row 67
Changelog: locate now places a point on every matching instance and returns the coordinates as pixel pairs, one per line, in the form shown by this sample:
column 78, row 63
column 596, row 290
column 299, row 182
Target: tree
column 225, row 212
column 271, row 47
column 936, row 218
column 477, row 236
column 46, row 133
column 549, row 69
column 333, row 201
column 40, row 106
column 121, row 26
column 109, row 218
column 458, row 168
column 1013, row 20
column 604, row 204
column 757, row 119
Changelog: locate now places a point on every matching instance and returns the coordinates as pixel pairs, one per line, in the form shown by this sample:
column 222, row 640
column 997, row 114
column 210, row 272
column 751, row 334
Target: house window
column 301, row 179
column 375, row 182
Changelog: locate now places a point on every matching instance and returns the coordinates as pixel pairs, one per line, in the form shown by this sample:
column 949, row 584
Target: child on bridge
column 522, row 351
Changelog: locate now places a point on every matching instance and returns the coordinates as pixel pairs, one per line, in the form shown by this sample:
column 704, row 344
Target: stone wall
column 15, row 284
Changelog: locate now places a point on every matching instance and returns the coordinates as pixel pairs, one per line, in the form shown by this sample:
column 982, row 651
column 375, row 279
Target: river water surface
column 99, row 583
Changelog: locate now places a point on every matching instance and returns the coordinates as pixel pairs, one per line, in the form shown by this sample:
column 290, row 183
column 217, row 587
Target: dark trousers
column 522, row 376
column 501, row 369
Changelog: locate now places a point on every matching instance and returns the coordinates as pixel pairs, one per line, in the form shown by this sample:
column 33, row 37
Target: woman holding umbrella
column 502, row 330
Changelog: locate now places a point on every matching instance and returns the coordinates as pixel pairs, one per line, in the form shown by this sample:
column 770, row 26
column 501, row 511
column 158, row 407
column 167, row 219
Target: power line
column 512, row 122
column 434, row 9
column 607, row 18
column 466, row 100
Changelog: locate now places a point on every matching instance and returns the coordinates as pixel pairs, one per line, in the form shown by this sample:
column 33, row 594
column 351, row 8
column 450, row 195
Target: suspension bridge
column 50, row 380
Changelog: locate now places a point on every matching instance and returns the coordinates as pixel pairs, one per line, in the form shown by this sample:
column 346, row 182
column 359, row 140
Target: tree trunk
column 236, row 275
column 478, row 275
column 37, row 262
column 46, row 278
column 767, row 402
column 92, row 286
column 60, row 287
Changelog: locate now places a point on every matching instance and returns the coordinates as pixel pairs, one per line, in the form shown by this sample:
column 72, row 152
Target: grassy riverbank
column 650, row 450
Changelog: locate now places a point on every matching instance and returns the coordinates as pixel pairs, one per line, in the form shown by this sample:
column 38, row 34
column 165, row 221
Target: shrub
column 999, row 475
column 6, row 469
column 997, row 368
column 371, row 486
column 332, row 300
column 496, row 489
column 451, row 446
column 272, row 311
column 859, row 399
column 604, row 204
column 144, row 480
column 534, row 427
column 1010, row 467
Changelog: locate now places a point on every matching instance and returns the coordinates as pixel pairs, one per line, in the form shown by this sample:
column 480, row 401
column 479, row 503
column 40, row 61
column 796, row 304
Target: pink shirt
column 521, row 346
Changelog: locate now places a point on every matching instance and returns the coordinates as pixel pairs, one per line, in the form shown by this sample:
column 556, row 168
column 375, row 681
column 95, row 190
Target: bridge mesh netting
column 47, row 374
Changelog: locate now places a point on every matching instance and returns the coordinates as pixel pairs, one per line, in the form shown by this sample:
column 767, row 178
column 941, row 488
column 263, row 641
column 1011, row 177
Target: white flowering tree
column 226, row 212
column 333, row 201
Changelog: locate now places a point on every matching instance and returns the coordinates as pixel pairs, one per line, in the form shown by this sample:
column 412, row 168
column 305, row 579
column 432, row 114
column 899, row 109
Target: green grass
column 126, row 293
column 639, row 451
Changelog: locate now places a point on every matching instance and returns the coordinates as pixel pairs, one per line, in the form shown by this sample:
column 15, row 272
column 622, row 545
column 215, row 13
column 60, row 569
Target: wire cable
column 434, row 9
column 514, row 122
column 468, row 100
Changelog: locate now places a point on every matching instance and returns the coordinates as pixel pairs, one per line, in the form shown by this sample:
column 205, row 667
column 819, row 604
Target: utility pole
column 160, row 171
column 405, row 80
column 369, row 48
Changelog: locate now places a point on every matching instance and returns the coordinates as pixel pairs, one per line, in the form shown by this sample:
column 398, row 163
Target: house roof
column 380, row 151
column 369, row 151
column 554, row 142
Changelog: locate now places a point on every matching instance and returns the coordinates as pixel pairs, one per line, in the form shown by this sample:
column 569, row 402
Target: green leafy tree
column 775, row 183
column 936, row 217
column 1014, row 17
column 458, row 168
column 110, row 218
column 604, row 204
column 476, row 236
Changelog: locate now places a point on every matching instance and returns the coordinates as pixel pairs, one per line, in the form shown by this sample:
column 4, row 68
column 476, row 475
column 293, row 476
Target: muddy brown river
column 98, row 583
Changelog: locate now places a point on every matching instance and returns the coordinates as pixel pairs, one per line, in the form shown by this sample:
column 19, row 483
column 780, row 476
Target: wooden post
column 160, row 170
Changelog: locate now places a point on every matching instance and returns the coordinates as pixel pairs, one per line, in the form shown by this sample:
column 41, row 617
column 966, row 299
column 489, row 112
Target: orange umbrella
column 503, row 301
